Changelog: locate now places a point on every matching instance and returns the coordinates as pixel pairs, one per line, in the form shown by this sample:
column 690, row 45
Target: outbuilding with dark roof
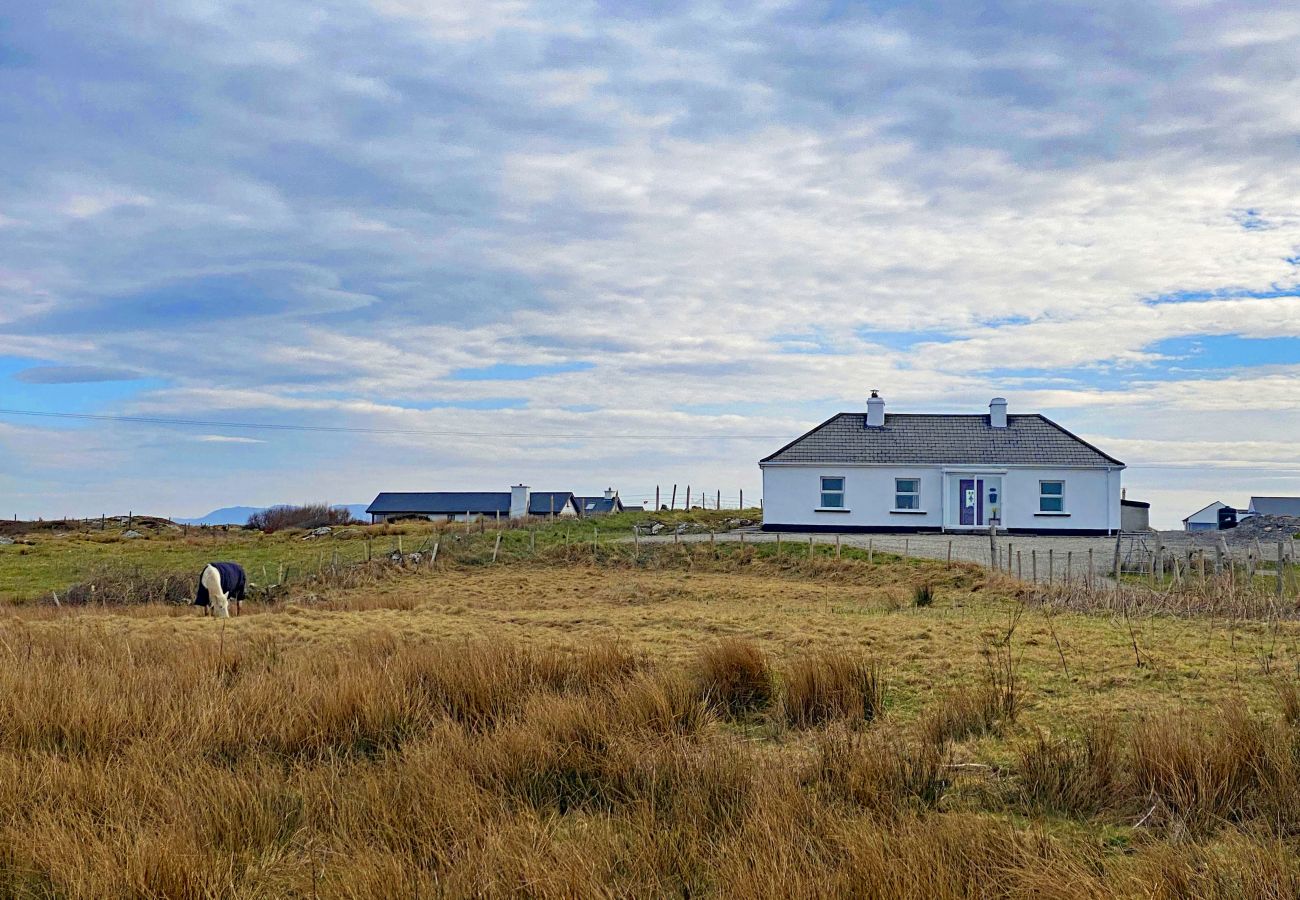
column 462, row 506
column 903, row 472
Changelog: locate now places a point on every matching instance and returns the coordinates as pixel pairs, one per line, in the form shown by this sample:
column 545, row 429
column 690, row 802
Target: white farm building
column 910, row 472
column 1206, row 518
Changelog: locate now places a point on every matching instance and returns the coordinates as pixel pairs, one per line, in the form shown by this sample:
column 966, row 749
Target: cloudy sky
column 583, row 244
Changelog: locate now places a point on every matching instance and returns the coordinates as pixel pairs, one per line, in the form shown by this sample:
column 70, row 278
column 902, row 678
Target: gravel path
column 1023, row 555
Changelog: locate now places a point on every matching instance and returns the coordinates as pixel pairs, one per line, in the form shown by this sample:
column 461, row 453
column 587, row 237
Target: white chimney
column 610, row 493
column 520, row 494
column 875, row 410
column 998, row 412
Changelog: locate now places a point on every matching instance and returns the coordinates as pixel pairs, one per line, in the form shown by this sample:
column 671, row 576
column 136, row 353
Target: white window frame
column 1060, row 497
column 821, row 495
column 915, row 494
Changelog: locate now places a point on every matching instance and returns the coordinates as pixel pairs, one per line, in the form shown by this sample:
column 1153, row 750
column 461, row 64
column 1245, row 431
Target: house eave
column 953, row 466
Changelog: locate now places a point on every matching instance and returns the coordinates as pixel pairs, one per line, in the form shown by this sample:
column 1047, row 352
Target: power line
column 346, row 429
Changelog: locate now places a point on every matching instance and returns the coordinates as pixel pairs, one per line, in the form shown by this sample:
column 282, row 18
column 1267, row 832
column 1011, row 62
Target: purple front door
column 972, row 501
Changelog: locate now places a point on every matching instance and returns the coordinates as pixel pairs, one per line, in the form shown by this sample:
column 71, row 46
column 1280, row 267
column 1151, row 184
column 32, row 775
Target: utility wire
column 345, row 429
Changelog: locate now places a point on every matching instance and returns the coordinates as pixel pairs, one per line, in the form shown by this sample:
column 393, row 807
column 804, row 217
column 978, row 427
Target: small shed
column 1134, row 515
column 1206, row 518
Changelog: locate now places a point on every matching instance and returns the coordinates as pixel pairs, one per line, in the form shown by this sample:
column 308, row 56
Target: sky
column 633, row 244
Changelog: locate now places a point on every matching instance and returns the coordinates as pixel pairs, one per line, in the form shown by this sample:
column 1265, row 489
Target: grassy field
column 52, row 558
column 712, row 721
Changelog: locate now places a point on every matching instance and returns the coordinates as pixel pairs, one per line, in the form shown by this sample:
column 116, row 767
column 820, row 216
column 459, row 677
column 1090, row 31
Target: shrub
column 734, row 677
column 313, row 515
column 829, row 686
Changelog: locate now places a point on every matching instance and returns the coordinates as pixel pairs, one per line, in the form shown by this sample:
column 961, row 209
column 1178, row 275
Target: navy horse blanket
column 233, row 583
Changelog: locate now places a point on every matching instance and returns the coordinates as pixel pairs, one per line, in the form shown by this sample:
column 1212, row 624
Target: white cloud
column 226, row 439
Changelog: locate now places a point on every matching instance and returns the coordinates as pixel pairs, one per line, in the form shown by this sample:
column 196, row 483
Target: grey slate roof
column 540, row 502
column 1276, row 506
column 438, row 503
column 598, row 506
column 441, row 502
column 937, row 439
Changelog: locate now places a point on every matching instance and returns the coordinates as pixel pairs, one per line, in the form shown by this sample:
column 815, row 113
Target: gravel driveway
column 1023, row 555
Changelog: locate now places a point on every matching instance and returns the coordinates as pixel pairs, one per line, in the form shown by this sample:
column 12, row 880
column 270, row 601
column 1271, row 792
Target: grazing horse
column 219, row 582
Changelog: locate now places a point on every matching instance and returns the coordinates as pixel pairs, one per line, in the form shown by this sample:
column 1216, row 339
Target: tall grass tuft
column 923, row 595
column 1072, row 777
column 734, row 677
column 832, row 686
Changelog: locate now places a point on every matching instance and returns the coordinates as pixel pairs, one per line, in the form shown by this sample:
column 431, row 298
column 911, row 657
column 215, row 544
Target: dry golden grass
column 758, row 729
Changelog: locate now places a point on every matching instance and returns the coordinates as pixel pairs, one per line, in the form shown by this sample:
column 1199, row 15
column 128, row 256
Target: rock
column 6, row 540
column 682, row 528
column 132, row 534
column 656, row 527
column 318, row 532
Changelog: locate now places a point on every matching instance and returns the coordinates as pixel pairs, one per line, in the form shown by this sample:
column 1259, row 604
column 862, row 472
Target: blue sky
column 686, row 224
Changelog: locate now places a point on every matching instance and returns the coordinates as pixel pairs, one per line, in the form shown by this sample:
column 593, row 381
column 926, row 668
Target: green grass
column 56, row 559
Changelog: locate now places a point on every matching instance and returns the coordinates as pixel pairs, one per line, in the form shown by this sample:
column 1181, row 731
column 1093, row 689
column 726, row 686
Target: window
column 832, row 493
column 1051, row 496
column 907, row 493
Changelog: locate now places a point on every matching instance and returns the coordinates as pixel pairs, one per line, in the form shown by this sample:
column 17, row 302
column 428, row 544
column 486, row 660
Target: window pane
column 832, row 484
column 1052, row 487
column 906, row 485
column 832, row 500
column 906, row 501
column 1050, row 504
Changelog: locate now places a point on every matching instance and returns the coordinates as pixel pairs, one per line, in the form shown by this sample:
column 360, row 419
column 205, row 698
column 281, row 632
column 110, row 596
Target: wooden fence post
column 1020, row 569
column 688, row 498
column 656, row 498
column 1281, row 570
column 950, row 554
column 672, row 504
column 1033, row 564
column 496, row 548
column 1051, row 565
column 837, row 546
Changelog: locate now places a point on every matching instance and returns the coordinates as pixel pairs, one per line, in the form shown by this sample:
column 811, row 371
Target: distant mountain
column 238, row 515
column 229, row 515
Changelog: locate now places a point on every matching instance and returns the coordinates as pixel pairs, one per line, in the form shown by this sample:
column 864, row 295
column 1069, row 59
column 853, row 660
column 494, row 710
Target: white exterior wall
column 1091, row 499
column 1206, row 519
column 791, row 494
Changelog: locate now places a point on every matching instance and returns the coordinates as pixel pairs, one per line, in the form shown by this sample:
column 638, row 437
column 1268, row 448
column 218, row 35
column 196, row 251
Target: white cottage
column 910, row 472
